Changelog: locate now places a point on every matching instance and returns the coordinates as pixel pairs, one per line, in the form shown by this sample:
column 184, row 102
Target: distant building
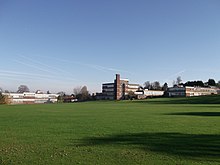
column 31, row 98
column 121, row 88
column 116, row 90
column 145, row 93
column 69, row 99
column 191, row 91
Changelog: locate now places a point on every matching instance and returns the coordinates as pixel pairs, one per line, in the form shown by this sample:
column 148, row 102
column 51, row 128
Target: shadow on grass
column 201, row 147
column 197, row 113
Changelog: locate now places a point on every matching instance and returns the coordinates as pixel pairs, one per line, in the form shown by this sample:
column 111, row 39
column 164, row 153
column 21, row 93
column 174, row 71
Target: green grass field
column 156, row 131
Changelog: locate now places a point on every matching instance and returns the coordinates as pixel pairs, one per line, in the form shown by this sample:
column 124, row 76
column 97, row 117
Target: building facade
column 191, row 91
column 31, row 98
column 116, row 90
column 146, row 93
column 108, row 91
column 121, row 88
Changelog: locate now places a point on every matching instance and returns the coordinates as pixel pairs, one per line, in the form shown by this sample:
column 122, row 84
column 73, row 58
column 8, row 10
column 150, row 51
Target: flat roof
column 124, row 79
column 134, row 84
column 108, row 83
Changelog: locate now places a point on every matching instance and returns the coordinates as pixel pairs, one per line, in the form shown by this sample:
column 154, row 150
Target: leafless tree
column 156, row 85
column 81, row 93
column 178, row 80
column 61, row 93
column 147, row 85
column 23, row 88
column 77, row 90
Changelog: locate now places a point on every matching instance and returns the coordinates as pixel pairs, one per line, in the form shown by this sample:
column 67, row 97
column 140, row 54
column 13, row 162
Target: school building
column 30, row 98
column 191, row 91
column 120, row 88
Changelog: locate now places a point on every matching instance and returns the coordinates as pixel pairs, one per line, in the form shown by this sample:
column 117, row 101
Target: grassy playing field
column 158, row 131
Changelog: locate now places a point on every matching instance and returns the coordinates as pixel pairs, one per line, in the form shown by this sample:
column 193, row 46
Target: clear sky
column 57, row 45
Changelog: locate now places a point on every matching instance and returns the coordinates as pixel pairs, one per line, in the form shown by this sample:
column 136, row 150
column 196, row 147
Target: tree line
column 210, row 82
column 178, row 82
column 79, row 93
column 155, row 86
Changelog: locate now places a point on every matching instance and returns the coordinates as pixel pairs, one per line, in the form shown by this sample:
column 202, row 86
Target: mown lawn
column 128, row 132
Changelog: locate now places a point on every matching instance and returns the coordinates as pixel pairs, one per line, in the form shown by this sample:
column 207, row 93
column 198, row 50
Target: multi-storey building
column 108, row 91
column 117, row 90
column 121, row 88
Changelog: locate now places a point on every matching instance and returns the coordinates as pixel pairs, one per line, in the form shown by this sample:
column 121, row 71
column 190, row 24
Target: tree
column 23, row 88
column 61, row 96
column 147, row 85
column 3, row 99
column 165, row 87
column 84, row 91
column 218, row 84
column 84, row 94
column 81, row 93
column 211, row 82
column 77, row 90
column 152, row 86
column 178, row 80
column 7, row 91
column 194, row 83
column 200, row 83
column 156, row 85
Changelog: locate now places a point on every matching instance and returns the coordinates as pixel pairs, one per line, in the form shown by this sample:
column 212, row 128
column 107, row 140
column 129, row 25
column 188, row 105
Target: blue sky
column 57, row 45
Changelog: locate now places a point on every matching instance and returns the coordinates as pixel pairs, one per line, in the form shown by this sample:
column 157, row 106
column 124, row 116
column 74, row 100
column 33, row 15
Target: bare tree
column 84, row 93
column 61, row 93
column 23, row 88
column 84, row 90
column 147, row 85
column 81, row 93
column 61, row 96
column 3, row 99
column 174, row 83
column 77, row 90
column 156, row 85
column 178, row 80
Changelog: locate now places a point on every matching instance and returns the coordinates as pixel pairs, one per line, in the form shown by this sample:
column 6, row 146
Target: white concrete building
column 148, row 93
column 31, row 98
column 153, row 93
column 191, row 91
